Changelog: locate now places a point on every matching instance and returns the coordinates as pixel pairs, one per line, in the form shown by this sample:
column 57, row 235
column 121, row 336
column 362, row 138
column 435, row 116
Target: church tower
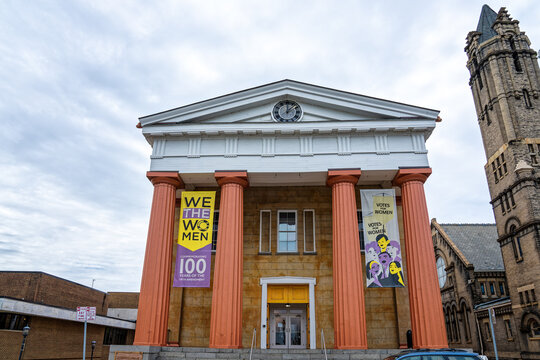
column 505, row 83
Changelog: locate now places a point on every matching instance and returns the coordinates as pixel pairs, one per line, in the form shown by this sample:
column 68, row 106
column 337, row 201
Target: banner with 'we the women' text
column 194, row 249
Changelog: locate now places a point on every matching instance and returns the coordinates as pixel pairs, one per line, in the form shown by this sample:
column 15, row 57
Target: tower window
column 487, row 115
column 515, row 57
column 512, row 198
column 478, row 73
column 503, row 163
column 494, row 169
column 527, row 98
column 533, row 159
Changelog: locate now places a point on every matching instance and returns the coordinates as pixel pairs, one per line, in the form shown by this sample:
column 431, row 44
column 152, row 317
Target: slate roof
column 487, row 18
column 478, row 242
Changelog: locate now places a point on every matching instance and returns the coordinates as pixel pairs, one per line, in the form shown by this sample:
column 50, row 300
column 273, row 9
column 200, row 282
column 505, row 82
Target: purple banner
column 192, row 267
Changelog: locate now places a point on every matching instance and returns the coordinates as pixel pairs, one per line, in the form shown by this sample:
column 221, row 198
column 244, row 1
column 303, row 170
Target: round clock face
column 287, row 111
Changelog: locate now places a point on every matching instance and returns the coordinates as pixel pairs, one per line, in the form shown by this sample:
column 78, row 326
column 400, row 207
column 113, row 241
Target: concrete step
column 171, row 353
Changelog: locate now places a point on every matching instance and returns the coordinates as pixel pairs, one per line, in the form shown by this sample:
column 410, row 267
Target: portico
column 288, row 214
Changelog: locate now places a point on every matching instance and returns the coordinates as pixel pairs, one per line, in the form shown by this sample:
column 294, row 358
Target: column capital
column 343, row 175
column 232, row 177
column 165, row 177
column 411, row 174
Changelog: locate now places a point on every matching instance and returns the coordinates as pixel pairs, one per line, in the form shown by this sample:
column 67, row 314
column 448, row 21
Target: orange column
column 427, row 320
column 153, row 312
column 349, row 305
column 226, row 317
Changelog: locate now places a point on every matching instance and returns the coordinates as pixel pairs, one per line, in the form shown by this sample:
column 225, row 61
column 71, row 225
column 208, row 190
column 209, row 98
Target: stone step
column 171, row 353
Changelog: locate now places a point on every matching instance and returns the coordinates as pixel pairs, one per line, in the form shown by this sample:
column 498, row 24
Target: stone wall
column 387, row 310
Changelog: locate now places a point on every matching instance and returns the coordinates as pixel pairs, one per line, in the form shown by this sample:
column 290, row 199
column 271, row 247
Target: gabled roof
column 478, row 243
column 252, row 106
column 485, row 23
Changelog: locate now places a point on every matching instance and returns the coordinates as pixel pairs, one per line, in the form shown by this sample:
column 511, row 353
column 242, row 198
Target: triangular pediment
column 319, row 105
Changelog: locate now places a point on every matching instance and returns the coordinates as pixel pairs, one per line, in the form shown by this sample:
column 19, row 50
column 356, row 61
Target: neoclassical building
column 287, row 161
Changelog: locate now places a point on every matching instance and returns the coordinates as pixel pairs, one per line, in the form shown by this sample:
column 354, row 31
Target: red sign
column 86, row 313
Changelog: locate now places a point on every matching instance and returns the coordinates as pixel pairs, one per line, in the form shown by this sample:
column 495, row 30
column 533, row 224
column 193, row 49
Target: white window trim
column 296, row 231
column 269, row 231
column 288, row 280
column 314, row 242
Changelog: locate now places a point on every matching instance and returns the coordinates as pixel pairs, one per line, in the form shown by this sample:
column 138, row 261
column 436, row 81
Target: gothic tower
column 505, row 83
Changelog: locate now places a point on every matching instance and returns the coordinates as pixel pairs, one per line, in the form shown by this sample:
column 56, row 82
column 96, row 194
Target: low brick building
column 47, row 304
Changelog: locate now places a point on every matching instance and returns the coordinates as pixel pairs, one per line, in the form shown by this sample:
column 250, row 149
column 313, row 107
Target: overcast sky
column 75, row 76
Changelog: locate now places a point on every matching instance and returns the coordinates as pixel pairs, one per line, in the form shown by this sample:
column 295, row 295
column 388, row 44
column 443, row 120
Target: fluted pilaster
column 226, row 316
column 427, row 319
column 153, row 310
column 349, row 305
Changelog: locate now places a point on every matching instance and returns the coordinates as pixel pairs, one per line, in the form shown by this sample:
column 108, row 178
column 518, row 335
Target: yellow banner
column 196, row 219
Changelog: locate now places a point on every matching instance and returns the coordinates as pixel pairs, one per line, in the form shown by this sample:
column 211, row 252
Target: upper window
column 441, row 271
column 215, row 230
column 492, row 288
column 287, row 231
column 361, row 229
column 527, row 98
column 309, row 231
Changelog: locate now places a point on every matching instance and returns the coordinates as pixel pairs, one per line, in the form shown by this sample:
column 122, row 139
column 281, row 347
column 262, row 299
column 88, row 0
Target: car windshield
column 439, row 357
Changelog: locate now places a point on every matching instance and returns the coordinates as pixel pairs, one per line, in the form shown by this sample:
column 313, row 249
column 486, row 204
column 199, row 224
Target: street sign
column 86, row 313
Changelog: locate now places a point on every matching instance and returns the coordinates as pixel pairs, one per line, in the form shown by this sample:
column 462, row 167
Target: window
column 441, row 271
column 487, row 115
column 478, row 73
column 508, row 327
column 488, row 331
column 483, row 288
column 501, row 288
column 533, row 295
column 515, row 57
column 527, row 98
column 521, row 299
column 534, row 329
column 498, row 166
column 527, row 299
column 361, row 229
column 512, row 201
column 465, row 313
column 265, row 232
column 516, row 244
column 114, row 336
column 215, row 230
column 10, row 321
column 287, row 231
column 309, row 231
column 492, row 288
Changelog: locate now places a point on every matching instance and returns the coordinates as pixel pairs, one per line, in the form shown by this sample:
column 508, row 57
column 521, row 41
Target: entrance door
column 288, row 327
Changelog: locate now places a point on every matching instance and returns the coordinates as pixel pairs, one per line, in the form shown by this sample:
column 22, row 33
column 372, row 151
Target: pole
column 493, row 333
column 84, row 340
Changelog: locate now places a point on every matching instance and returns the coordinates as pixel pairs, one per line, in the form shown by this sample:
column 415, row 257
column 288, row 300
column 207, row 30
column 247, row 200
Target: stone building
column 294, row 154
column 471, row 272
column 47, row 304
column 505, row 83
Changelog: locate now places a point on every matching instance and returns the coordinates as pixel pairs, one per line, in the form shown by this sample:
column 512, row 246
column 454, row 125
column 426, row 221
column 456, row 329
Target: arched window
column 466, row 324
column 456, row 324
column 441, row 271
column 516, row 243
column 515, row 57
column 534, row 329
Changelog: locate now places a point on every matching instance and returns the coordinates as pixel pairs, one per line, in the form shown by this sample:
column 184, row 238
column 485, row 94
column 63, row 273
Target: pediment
column 319, row 104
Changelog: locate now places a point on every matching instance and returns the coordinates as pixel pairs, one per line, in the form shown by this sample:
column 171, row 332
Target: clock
column 287, row 111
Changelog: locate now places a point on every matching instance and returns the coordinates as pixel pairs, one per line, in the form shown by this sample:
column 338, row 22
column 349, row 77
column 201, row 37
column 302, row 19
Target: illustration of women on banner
column 381, row 234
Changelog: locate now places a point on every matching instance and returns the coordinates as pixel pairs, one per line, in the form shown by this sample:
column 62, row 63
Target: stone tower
column 505, row 82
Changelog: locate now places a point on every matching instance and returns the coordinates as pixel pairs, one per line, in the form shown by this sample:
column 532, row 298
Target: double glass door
column 288, row 327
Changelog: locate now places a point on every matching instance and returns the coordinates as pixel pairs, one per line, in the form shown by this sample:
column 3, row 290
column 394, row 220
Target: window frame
column 215, row 221
column 261, row 212
column 314, row 251
column 296, row 231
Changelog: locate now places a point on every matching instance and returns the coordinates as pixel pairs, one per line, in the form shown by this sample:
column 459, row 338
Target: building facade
column 287, row 161
column 472, row 278
column 47, row 304
column 505, row 83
